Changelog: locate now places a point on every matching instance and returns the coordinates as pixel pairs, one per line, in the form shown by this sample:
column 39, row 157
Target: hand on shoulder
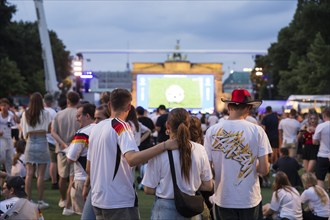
column 171, row 144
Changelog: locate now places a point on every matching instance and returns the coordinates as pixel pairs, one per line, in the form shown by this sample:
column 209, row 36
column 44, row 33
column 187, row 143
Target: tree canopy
column 21, row 56
column 298, row 63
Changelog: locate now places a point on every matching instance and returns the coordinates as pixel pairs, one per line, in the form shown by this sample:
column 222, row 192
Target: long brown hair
column 35, row 109
column 282, row 182
column 178, row 120
column 133, row 118
column 195, row 128
column 309, row 180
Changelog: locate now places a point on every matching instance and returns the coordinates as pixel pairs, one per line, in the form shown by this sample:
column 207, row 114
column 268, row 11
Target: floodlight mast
column 47, row 56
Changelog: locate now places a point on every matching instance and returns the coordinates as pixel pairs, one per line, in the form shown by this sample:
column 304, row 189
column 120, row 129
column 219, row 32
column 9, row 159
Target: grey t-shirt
column 65, row 124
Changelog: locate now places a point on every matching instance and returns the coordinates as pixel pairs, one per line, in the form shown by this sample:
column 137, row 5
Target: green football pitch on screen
column 159, row 92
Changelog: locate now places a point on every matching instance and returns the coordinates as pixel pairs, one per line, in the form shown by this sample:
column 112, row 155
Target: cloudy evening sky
column 155, row 24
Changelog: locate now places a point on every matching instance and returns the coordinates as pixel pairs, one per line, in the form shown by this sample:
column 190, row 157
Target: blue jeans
column 88, row 212
column 165, row 209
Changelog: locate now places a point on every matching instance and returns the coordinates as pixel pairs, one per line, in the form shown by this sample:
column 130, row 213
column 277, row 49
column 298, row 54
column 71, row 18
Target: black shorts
column 53, row 155
column 274, row 143
column 310, row 151
column 322, row 168
column 300, row 148
column 233, row 213
column 15, row 133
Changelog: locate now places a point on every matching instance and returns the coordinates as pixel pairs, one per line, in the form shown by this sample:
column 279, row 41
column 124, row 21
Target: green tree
column 297, row 60
column 12, row 82
column 21, row 44
column 315, row 69
column 6, row 12
column 26, row 50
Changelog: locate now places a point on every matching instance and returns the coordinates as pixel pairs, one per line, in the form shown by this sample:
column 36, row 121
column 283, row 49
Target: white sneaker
column 62, row 203
column 67, row 211
column 42, row 204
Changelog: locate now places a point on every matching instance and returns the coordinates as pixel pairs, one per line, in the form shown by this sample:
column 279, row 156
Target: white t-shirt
column 158, row 174
column 45, row 120
column 251, row 119
column 5, row 205
column 314, row 202
column 18, row 114
column 225, row 117
column 212, row 120
column 137, row 134
column 288, row 204
column 290, row 129
column 322, row 134
column 78, row 150
column 111, row 176
column 234, row 146
column 52, row 114
column 19, row 168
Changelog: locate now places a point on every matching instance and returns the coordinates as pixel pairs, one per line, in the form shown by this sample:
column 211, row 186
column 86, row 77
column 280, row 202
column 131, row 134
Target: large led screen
column 193, row 92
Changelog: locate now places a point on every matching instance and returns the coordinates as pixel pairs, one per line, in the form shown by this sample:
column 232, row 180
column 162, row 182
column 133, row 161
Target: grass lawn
column 145, row 203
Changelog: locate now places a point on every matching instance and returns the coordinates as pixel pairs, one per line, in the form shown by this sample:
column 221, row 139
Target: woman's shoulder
column 309, row 191
column 286, row 190
column 198, row 149
column 196, row 145
column 44, row 111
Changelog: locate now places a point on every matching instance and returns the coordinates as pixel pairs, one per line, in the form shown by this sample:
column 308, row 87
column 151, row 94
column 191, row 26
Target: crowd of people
column 93, row 154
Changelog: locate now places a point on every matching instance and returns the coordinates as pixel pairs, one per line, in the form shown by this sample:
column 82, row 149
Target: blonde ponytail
column 309, row 180
column 321, row 194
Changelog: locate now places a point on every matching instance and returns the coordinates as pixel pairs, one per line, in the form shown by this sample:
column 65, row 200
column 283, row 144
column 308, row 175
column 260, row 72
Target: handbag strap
column 170, row 156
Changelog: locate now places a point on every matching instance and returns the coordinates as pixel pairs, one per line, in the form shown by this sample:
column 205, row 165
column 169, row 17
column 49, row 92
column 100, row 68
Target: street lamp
column 258, row 81
column 259, row 71
column 77, row 65
column 77, row 69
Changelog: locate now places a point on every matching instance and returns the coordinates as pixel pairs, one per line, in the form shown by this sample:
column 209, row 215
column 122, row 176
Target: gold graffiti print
column 231, row 144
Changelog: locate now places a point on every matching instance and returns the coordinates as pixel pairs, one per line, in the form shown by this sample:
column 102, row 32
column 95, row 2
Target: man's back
column 233, row 146
column 290, row 129
column 290, row 167
column 65, row 124
column 270, row 122
column 111, row 176
column 322, row 133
